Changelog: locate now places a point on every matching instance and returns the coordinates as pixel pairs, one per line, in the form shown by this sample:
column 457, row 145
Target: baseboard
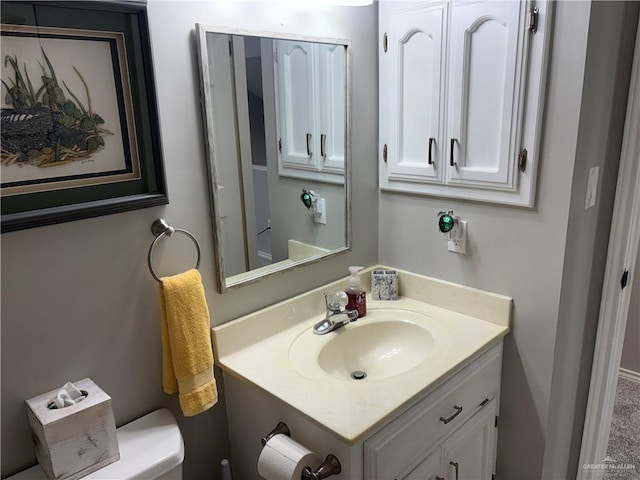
column 629, row 374
column 265, row 256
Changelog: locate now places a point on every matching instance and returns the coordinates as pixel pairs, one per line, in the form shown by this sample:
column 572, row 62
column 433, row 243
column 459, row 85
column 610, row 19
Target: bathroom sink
column 383, row 344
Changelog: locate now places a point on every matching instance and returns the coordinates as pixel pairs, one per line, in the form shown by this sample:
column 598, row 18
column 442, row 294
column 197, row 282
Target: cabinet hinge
column 624, row 279
column 275, row 55
column 384, row 153
column 496, row 422
column 533, row 20
column 280, row 145
column 522, row 160
column 385, row 42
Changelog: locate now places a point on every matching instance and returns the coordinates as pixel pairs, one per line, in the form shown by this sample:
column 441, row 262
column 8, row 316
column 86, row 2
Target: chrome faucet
column 337, row 315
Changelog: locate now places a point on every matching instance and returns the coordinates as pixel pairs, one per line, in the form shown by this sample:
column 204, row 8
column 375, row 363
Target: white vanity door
column 412, row 95
column 485, row 92
column 429, row 469
column 295, row 109
column 469, row 453
column 332, row 103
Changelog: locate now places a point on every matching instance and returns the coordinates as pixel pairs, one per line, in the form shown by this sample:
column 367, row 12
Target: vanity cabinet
column 450, row 434
column 467, row 455
column 415, row 444
column 310, row 91
column 461, row 92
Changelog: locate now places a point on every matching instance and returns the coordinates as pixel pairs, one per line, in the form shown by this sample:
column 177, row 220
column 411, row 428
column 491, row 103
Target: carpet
column 623, row 452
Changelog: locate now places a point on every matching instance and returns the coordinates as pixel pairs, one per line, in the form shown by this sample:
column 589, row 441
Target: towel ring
column 161, row 228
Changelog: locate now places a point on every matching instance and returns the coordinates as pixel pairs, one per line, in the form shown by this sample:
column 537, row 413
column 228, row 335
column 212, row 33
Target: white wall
column 604, row 101
column 517, row 252
column 77, row 298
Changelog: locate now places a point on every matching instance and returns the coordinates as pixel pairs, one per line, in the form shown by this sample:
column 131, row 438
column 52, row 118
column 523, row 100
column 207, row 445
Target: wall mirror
column 276, row 114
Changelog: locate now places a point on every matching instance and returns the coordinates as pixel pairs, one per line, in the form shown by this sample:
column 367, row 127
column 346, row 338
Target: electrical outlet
column 459, row 245
column 320, row 215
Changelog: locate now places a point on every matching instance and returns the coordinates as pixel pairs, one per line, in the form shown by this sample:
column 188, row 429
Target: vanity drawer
column 398, row 447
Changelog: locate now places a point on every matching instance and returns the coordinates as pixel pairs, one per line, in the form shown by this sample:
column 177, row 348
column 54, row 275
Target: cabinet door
column 412, row 90
column 429, row 469
column 332, row 107
column 469, row 453
column 485, row 92
column 295, row 109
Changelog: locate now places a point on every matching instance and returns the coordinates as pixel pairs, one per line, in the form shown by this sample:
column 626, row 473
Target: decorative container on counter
column 384, row 285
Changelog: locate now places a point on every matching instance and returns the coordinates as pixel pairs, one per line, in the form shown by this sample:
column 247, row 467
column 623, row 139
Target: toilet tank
column 151, row 447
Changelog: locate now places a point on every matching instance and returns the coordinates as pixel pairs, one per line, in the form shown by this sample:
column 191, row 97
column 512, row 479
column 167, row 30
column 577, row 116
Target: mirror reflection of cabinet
column 251, row 105
column 461, row 91
column 310, row 109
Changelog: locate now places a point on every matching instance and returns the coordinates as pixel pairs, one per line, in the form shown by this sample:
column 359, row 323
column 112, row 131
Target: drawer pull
column 455, row 466
column 484, row 402
column 447, row 420
column 439, row 478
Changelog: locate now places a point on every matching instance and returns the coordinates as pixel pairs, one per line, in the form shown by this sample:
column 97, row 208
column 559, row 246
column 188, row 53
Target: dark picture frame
column 80, row 131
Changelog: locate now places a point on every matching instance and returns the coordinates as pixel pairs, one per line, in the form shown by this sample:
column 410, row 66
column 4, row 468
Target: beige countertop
column 258, row 348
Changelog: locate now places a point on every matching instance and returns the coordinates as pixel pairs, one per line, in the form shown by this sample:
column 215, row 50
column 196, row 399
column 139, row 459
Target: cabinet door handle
column 323, row 141
column 439, row 478
column 453, row 144
column 455, row 467
column 431, row 142
column 448, row 419
column 309, row 144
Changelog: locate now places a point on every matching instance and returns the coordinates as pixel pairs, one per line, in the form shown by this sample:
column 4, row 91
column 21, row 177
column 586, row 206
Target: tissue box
column 74, row 441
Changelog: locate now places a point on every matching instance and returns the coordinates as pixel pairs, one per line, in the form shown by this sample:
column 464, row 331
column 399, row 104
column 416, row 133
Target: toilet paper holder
column 281, row 428
column 330, row 466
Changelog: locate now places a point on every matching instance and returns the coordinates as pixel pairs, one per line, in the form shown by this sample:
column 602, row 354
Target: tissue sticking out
column 68, row 395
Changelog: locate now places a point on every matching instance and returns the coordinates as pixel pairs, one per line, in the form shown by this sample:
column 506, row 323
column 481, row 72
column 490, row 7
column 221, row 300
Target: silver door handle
column 309, row 153
column 323, row 141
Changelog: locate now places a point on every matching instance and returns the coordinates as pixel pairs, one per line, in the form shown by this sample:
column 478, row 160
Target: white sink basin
column 385, row 343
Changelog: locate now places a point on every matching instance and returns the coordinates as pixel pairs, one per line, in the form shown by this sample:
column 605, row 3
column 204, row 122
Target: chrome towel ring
column 160, row 228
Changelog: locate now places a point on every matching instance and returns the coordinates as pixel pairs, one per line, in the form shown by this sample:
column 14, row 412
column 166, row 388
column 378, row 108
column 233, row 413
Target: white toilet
column 151, row 447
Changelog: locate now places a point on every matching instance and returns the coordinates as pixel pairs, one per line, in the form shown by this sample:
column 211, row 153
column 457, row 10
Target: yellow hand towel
column 187, row 356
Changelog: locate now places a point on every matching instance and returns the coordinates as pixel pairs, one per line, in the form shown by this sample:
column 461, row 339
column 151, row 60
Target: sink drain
column 358, row 375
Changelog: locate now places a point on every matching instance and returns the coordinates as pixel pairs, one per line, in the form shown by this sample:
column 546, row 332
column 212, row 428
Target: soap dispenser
column 355, row 293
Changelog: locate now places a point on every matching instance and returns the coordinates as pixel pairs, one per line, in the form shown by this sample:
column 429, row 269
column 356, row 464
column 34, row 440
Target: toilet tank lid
column 149, row 447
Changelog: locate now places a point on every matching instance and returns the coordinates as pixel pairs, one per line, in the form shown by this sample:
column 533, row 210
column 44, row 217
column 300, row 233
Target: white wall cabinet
column 311, row 110
column 461, row 91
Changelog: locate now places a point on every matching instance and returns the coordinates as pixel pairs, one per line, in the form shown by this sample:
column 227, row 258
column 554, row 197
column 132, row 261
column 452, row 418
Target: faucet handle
column 336, row 301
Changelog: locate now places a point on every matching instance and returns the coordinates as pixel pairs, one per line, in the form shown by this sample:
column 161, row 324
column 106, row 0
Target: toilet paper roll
column 283, row 459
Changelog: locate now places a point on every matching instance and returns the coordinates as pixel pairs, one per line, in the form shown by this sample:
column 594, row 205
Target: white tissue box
column 73, row 441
